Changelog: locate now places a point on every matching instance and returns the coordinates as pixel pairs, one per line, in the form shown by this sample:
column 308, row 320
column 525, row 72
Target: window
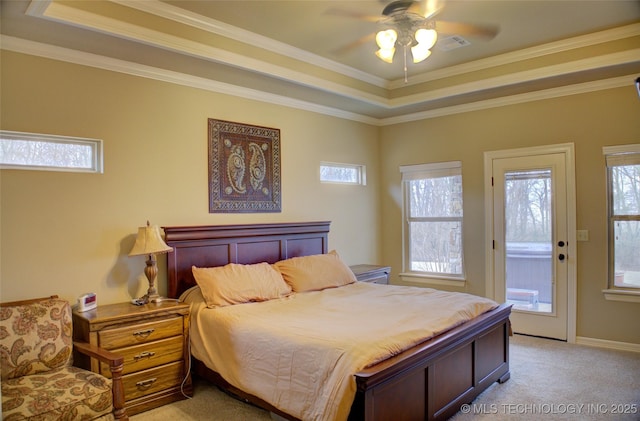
column 47, row 152
column 342, row 173
column 623, row 199
column 433, row 219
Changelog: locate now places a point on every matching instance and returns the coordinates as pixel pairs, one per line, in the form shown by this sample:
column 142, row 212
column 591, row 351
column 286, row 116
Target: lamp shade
column 149, row 241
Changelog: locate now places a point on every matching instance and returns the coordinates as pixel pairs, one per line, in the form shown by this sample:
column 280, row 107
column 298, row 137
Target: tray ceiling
column 288, row 52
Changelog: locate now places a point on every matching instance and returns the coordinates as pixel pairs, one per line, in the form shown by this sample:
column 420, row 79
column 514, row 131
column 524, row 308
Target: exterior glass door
column 528, row 234
column 531, row 252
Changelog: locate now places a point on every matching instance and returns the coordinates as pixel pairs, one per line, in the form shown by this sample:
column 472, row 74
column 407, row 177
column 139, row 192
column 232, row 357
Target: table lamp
column 150, row 243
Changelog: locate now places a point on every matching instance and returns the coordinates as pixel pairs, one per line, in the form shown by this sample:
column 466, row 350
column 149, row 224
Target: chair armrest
column 116, row 365
column 100, row 354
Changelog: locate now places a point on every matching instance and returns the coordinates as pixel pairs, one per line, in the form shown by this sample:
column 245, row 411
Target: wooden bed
column 429, row 381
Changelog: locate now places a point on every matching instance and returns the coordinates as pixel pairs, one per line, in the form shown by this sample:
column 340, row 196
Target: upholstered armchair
column 39, row 380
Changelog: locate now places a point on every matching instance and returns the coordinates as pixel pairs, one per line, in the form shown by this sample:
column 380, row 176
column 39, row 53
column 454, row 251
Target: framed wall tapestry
column 244, row 168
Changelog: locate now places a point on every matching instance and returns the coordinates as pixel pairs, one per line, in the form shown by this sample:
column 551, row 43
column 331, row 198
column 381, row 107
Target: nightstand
column 372, row 273
column 154, row 341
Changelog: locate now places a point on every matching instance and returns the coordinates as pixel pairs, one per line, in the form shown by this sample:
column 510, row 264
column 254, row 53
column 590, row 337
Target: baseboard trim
column 602, row 343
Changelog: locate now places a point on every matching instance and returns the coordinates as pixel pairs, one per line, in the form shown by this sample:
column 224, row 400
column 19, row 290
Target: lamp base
column 154, row 299
column 146, row 299
column 152, row 296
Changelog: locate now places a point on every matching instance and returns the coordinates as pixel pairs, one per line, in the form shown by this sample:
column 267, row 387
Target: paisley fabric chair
column 39, row 381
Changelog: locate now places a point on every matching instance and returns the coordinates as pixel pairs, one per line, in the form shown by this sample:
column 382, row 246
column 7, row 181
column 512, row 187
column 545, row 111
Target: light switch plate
column 582, row 235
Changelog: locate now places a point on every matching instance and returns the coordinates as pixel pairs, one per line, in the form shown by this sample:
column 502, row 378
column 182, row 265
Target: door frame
column 572, row 256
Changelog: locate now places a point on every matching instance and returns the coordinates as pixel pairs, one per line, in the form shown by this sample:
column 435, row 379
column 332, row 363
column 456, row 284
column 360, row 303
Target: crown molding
column 591, row 63
column 56, row 11
column 524, row 54
column 220, row 28
column 80, row 18
column 195, row 20
column 576, row 89
column 23, row 46
column 168, row 42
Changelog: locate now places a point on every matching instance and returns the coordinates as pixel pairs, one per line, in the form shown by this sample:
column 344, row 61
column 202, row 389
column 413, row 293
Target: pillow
column 316, row 272
column 236, row 284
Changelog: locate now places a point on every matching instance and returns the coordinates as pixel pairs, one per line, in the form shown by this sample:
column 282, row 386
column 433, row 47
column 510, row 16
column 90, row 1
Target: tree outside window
column 623, row 176
column 433, row 211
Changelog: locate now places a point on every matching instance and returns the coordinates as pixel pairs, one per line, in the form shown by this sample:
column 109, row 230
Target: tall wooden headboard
column 218, row 245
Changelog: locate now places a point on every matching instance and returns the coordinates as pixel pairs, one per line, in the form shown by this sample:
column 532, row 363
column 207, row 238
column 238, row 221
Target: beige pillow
column 316, row 272
column 236, row 284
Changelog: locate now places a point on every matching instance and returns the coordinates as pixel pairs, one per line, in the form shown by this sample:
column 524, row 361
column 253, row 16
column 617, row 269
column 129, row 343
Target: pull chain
column 405, row 64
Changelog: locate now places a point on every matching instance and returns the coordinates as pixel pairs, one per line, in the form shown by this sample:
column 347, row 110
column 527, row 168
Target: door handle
column 561, row 257
column 560, row 243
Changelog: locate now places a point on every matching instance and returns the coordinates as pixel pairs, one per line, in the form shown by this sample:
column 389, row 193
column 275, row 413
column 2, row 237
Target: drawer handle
column 145, row 332
column 145, row 354
column 146, row 383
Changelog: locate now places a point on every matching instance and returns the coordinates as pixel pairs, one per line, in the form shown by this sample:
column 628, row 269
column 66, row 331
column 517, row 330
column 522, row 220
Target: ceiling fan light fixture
column 426, row 37
column 386, row 54
column 386, row 39
column 419, row 53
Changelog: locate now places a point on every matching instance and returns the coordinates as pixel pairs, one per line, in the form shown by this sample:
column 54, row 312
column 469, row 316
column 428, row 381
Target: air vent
column 452, row 42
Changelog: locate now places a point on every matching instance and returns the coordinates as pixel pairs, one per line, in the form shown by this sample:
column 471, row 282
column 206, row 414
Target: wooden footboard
column 431, row 381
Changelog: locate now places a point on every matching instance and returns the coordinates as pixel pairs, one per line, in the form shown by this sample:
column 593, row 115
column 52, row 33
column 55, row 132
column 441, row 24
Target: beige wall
column 70, row 233
column 590, row 121
column 65, row 233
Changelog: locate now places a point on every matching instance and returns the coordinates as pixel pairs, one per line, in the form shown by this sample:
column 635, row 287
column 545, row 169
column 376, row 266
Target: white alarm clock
column 87, row 301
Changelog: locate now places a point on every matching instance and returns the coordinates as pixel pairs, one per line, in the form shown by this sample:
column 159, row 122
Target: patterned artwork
column 244, row 168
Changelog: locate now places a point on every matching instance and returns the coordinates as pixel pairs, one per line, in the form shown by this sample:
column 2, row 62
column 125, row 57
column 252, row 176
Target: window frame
column 423, row 171
column 617, row 156
column 96, row 145
column 361, row 170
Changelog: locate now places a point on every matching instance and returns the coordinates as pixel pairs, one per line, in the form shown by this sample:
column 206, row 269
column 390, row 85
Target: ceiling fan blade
column 351, row 14
column 456, row 28
column 426, row 8
column 355, row 44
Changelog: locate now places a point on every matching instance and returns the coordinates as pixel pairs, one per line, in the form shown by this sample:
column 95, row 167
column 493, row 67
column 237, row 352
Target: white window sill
column 430, row 280
column 622, row 295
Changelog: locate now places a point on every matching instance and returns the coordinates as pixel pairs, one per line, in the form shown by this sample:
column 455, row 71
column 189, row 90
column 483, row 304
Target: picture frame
column 244, row 168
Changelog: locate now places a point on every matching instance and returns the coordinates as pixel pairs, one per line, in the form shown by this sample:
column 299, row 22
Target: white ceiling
column 310, row 26
column 285, row 51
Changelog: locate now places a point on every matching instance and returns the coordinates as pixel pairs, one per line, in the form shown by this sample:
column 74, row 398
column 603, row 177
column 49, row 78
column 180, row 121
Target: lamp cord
column 184, row 381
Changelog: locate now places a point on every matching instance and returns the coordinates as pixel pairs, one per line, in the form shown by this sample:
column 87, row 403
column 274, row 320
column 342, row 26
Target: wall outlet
column 582, row 235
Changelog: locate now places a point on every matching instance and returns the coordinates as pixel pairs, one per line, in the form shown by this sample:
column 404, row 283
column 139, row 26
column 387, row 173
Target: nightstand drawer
column 153, row 354
column 383, row 279
column 153, row 380
column 140, row 333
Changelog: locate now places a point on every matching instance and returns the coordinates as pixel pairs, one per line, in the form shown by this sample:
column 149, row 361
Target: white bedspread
column 300, row 353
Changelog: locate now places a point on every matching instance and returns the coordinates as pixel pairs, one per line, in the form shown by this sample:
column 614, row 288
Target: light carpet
column 550, row 380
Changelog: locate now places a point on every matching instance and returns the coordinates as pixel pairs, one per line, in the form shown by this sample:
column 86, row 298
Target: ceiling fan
column 411, row 25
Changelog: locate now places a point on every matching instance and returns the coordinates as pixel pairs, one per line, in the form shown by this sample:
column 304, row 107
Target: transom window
column 433, row 219
column 623, row 182
column 48, row 152
column 332, row 172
